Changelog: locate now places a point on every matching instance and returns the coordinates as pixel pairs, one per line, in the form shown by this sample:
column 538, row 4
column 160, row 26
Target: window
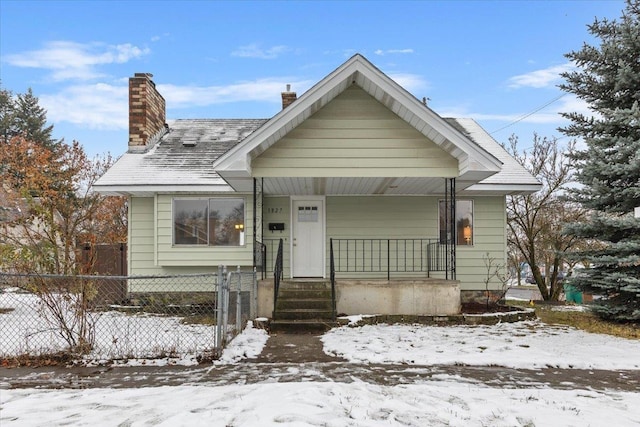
column 464, row 222
column 307, row 214
column 215, row 222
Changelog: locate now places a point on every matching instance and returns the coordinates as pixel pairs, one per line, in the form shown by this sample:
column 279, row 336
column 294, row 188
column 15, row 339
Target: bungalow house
column 355, row 183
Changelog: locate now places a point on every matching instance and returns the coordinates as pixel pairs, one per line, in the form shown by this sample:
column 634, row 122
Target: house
column 361, row 182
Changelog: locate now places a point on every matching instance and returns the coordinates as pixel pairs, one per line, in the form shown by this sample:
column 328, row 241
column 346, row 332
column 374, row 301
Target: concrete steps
column 303, row 306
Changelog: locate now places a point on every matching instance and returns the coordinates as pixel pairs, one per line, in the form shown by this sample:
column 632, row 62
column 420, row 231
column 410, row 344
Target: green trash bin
column 572, row 294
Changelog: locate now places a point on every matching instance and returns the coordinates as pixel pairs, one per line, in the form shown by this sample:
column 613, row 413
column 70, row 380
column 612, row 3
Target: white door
column 308, row 238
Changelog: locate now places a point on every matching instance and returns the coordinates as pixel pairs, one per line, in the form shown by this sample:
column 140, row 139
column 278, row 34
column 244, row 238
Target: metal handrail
column 278, row 271
column 377, row 255
column 260, row 258
column 332, row 276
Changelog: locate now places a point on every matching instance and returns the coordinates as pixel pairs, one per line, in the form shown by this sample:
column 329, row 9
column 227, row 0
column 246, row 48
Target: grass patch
column 584, row 320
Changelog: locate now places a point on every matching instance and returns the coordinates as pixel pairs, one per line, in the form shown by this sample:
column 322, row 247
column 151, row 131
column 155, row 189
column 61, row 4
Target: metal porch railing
column 388, row 256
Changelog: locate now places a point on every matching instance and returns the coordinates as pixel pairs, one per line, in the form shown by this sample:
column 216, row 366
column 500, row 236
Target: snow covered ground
column 522, row 345
column 118, row 335
column 449, row 401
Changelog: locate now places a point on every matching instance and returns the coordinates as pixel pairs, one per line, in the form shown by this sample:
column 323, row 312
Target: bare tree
column 535, row 221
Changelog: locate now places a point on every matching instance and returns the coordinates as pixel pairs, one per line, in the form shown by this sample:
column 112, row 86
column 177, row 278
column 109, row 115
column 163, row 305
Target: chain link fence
column 107, row 318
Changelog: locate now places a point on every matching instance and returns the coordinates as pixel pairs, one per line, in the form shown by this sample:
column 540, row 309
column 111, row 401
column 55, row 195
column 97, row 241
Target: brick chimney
column 288, row 97
column 147, row 113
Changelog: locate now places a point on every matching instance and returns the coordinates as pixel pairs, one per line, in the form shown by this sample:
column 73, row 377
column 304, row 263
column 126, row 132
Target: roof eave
column 501, row 189
column 149, row 190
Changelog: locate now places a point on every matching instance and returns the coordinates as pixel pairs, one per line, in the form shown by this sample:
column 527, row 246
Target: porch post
column 452, row 254
column 255, row 226
column 450, row 227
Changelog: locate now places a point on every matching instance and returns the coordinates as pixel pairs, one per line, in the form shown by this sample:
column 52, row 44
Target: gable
column 474, row 163
column 354, row 136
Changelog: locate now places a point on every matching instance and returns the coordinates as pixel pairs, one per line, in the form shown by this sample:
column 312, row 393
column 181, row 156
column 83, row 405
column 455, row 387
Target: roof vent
column 189, row 142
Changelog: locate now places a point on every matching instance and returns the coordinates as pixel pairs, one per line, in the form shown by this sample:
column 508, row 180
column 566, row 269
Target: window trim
column 459, row 232
column 208, row 200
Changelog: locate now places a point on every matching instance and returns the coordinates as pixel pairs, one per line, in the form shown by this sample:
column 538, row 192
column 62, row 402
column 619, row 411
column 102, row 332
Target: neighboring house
column 356, row 176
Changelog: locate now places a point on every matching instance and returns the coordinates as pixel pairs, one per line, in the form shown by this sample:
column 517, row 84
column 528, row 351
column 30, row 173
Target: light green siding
column 151, row 249
column 400, row 217
column 354, row 136
column 406, row 217
column 489, row 241
column 141, row 236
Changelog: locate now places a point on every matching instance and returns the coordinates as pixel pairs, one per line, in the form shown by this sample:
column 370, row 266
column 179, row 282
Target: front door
column 308, row 237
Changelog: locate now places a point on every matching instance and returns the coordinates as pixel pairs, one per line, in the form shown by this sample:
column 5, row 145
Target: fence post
column 239, row 303
column 219, row 307
column 225, row 303
column 253, row 313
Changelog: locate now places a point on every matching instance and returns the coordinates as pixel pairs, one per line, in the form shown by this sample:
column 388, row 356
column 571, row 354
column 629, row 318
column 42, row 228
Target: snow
column 135, row 339
column 522, row 345
column 248, row 344
column 449, row 403
column 430, row 401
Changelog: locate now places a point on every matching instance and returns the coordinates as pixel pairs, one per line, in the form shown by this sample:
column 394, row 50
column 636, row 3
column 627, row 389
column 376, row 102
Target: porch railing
column 260, row 258
column 270, row 253
column 332, row 277
column 388, row 256
column 277, row 274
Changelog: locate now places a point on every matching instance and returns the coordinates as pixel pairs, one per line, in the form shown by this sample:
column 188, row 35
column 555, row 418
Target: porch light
column 466, row 233
column 239, row 227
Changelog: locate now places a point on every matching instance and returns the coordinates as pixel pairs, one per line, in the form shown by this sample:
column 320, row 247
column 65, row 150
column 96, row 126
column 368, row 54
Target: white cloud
column 540, row 78
column 105, row 106
column 392, row 51
column 70, row 60
column 263, row 90
column 411, row 82
column 98, row 106
column 255, row 51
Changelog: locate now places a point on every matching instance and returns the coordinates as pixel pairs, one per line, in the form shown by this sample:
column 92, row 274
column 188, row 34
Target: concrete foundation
column 424, row 297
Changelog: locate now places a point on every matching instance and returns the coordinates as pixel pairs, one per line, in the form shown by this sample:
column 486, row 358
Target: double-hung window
column 216, row 221
column 463, row 222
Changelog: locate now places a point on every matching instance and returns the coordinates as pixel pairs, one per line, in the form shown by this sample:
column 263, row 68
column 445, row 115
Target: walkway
column 299, row 358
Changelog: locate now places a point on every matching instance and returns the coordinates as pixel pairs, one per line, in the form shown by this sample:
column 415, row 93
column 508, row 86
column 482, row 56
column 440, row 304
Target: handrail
column 378, row 255
column 332, row 276
column 260, row 258
column 271, row 252
column 278, row 271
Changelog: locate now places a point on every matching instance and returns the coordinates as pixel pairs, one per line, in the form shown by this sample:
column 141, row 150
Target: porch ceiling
column 357, row 186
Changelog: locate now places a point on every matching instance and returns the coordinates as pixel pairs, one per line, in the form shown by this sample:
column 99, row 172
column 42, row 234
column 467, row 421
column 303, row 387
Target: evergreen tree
column 22, row 115
column 31, row 120
column 607, row 78
column 7, row 113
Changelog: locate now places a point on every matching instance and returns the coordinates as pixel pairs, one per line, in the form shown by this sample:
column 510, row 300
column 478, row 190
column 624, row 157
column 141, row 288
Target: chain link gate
column 107, row 318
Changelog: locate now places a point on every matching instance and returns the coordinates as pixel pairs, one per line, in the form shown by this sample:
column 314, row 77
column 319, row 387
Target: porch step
column 305, row 314
column 320, row 304
column 303, row 306
column 310, row 326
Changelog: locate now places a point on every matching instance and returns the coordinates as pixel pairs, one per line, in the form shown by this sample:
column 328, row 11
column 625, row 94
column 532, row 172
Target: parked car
column 529, row 279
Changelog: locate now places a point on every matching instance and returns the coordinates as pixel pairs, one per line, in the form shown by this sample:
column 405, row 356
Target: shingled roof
column 181, row 159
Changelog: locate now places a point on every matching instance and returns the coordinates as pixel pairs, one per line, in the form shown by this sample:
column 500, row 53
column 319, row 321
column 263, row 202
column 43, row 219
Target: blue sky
column 494, row 61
